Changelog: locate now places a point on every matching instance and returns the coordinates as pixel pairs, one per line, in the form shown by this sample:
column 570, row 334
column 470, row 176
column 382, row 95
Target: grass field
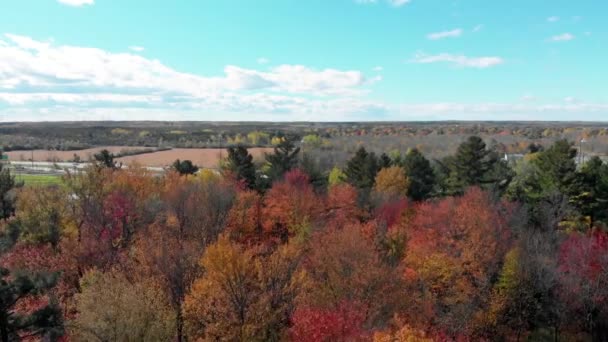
column 38, row 180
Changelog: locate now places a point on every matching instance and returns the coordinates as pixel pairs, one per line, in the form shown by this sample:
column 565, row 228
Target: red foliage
column 454, row 249
column 344, row 323
column 297, row 178
column 289, row 206
column 42, row 258
column 341, row 206
column 119, row 210
column 244, row 219
column 390, row 213
column 583, row 266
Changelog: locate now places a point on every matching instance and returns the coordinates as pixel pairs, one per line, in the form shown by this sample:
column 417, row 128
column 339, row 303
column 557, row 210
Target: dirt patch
column 62, row 156
column 203, row 157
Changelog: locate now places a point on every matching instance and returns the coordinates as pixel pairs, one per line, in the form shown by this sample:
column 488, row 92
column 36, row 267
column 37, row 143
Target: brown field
column 203, row 157
column 61, row 156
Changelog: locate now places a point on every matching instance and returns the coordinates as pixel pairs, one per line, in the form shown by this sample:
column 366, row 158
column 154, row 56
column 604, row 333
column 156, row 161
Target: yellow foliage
column 392, row 181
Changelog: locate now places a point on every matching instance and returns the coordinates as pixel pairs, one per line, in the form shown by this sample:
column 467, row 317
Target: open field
column 203, row 157
column 64, row 156
column 38, row 180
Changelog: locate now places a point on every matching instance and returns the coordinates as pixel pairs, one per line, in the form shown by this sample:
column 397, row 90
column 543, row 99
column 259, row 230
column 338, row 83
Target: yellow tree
column 391, row 182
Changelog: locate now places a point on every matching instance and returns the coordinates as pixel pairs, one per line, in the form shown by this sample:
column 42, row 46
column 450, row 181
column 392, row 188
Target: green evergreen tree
column 284, row 158
column 311, row 168
column 7, row 192
column 240, row 163
column 361, row 169
column 475, row 165
column 106, row 159
column 420, row 174
column 592, row 190
column 558, row 165
column 385, row 161
column 185, row 167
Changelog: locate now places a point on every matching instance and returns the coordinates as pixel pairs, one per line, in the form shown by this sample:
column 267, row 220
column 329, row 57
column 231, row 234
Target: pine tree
column 284, row 158
column 7, row 192
column 385, row 161
column 106, row 159
column 361, row 169
column 475, row 165
column 185, row 167
column 420, row 174
column 240, row 163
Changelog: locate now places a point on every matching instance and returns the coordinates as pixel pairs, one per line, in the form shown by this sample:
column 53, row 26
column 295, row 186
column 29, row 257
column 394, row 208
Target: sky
column 303, row 60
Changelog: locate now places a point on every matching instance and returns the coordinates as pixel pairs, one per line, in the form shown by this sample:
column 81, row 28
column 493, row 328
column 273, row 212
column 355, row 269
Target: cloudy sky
column 318, row 60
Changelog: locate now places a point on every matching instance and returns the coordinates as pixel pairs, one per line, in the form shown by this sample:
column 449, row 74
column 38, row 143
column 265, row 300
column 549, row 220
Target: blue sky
column 318, row 60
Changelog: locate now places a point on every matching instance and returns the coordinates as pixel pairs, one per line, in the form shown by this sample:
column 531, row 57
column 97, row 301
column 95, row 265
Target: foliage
column 239, row 163
column 16, row 286
column 420, row 174
column 475, row 165
column 336, row 177
column 361, row 169
column 391, row 182
column 283, row 159
column 185, row 167
column 113, row 308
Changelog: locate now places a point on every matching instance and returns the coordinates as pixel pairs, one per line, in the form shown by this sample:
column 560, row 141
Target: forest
column 387, row 246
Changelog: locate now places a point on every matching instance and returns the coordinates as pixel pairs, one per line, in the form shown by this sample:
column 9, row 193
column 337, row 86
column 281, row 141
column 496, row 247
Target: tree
column 583, row 266
column 290, row 207
column 106, row 159
column 191, row 217
column 240, row 164
column 420, row 174
column 343, row 323
column 474, row 165
column 310, row 166
column 344, row 266
column 7, row 192
column 112, row 308
column 448, row 267
column 284, row 158
column 361, row 169
column 336, row 177
column 558, row 166
column 45, row 321
column 185, row 167
column 243, row 296
column 391, row 182
column 591, row 187
column 385, row 161
column 43, row 215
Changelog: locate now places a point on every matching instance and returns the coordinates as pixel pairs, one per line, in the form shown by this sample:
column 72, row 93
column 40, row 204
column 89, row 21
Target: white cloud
column 563, row 37
column 458, row 60
column 378, row 68
column 398, row 3
column 445, row 34
column 136, row 48
column 394, row 3
column 477, row 28
column 553, row 19
column 76, row 3
column 528, row 98
column 263, row 60
column 45, row 74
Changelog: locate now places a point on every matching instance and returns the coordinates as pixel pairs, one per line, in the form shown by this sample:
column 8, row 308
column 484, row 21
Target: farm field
column 59, row 156
column 203, row 157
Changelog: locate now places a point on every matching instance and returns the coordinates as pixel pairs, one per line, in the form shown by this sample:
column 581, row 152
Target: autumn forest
column 386, row 247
